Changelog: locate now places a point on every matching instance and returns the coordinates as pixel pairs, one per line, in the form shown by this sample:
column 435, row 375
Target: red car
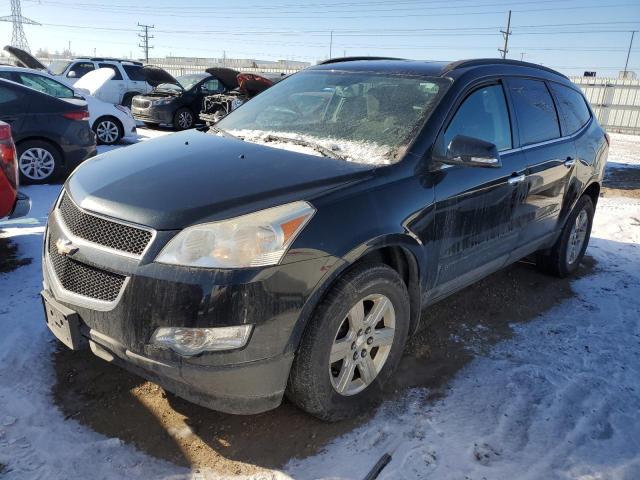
column 12, row 203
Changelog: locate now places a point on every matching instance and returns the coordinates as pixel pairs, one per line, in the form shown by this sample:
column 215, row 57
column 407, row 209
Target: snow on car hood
column 349, row 150
column 93, row 81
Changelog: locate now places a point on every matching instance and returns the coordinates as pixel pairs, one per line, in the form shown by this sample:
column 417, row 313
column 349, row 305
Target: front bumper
column 154, row 114
column 22, row 206
column 244, row 389
column 247, row 380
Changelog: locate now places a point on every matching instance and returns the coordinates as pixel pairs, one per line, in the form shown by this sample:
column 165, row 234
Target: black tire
column 183, row 119
column 311, row 381
column 34, row 149
column 556, row 261
column 108, row 135
column 128, row 99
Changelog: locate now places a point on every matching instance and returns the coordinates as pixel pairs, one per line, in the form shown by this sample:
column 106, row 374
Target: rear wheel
column 38, row 162
column 109, row 130
column 565, row 256
column 352, row 345
column 183, row 119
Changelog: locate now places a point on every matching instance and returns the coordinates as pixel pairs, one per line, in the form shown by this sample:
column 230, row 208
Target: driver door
column 476, row 208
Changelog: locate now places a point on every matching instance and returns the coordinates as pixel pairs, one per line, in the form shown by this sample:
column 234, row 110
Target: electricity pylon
column 18, row 38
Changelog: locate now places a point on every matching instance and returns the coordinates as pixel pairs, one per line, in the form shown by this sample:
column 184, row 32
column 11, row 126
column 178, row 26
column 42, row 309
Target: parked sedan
column 293, row 247
column 178, row 101
column 111, row 123
column 12, row 203
column 52, row 135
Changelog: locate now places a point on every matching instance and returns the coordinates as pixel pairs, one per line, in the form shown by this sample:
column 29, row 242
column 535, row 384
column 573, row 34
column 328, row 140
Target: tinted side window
column 6, row 75
column 81, row 68
column 45, row 85
column 212, row 86
column 535, row 110
column 117, row 75
column 134, row 73
column 11, row 101
column 483, row 115
column 572, row 106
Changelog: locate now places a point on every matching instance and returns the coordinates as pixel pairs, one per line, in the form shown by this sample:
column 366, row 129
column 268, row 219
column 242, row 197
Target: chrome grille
column 82, row 279
column 140, row 103
column 101, row 231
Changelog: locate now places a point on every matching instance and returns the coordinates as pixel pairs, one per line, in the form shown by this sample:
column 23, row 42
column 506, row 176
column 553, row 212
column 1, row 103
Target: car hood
column 191, row 177
column 93, row 81
column 157, row 76
column 228, row 76
column 25, row 59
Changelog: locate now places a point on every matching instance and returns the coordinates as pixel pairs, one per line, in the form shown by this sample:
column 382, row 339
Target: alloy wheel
column 107, row 131
column 362, row 344
column 36, row 163
column 185, row 119
column 577, row 236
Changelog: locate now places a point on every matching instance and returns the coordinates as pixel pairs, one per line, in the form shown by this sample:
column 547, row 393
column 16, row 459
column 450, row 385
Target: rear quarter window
column 134, row 73
column 535, row 110
column 117, row 75
column 572, row 106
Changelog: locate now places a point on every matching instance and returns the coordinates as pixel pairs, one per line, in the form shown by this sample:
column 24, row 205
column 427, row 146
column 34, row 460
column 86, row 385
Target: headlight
column 254, row 240
column 191, row 341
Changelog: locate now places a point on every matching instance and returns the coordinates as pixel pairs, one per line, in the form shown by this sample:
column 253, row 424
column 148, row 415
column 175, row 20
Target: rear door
column 14, row 103
column 550, row 157
column 475, row 206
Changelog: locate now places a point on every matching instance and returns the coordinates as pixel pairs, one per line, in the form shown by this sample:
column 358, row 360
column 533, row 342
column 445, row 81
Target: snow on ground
column 558, row 400
column 625, row 151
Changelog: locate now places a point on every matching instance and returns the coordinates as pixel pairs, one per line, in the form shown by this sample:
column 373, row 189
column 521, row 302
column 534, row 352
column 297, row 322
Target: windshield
column 361, row 117
column 185, row 81
column 57, row 67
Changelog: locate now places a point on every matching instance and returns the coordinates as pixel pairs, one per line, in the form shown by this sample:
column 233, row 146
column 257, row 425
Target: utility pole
column 331, row 44
column 626, row 64
column 505, row 34
column 145, row 40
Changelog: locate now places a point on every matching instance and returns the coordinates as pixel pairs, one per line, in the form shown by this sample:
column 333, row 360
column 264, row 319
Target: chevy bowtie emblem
column 65, row 247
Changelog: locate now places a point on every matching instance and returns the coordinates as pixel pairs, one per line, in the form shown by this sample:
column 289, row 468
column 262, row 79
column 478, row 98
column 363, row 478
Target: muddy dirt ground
column 118, row 404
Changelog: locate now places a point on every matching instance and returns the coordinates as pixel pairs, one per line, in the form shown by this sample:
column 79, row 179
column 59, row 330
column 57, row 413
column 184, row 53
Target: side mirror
column 471, row 152
column 71, row 74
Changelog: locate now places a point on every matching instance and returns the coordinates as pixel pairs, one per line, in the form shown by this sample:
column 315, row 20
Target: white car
column 111, row 123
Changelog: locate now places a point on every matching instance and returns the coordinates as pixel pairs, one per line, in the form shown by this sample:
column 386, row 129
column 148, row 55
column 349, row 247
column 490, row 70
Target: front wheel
column 183, row 119
column 565, row 256
column 353, row 344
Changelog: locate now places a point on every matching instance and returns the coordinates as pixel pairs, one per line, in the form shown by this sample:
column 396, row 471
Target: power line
column 145, row 39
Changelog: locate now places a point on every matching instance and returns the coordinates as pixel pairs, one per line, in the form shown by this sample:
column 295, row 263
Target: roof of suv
column 108, row 59
column 426, row 67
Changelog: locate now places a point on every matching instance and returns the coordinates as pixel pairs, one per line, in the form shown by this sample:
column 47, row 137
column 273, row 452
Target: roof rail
column 108, row 59
column 355, row 59
column 496, row 61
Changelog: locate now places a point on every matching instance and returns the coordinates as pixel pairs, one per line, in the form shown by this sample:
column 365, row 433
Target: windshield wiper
column 327, row 152
column 224, row 133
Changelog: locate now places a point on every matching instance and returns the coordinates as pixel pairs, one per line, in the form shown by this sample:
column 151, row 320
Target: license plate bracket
column 63, row 322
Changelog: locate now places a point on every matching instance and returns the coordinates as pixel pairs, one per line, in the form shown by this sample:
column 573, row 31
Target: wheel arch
column 401, row 252
column 41, row 138
column 593, row 190
column 110, row 117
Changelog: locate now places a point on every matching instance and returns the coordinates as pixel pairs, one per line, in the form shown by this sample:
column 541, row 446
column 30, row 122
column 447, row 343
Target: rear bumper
column 243, row 389
column 76, row 155
column 22, row 206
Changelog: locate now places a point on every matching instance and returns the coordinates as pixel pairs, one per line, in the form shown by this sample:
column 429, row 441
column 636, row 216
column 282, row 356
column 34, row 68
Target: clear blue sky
column 570, row 35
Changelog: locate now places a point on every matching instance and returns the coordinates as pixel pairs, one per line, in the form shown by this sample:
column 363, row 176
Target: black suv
column 52, row 135
column 291, row 248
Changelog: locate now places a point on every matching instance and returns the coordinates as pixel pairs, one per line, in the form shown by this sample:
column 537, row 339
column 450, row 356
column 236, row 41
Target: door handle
column 517, row 179
column 569, row 162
